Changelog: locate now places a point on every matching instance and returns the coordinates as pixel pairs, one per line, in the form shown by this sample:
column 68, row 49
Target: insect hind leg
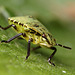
column 49, row 60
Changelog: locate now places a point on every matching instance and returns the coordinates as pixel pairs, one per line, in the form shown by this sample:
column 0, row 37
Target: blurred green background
column 58, row 16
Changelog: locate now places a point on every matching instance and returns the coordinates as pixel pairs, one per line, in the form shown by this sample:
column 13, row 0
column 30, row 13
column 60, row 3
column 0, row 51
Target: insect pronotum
column 33, row 31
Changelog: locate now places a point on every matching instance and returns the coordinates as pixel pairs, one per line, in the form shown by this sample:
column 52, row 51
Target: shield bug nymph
column 33, row 31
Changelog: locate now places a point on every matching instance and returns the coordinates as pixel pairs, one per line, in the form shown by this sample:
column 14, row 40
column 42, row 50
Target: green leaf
column 12, row 55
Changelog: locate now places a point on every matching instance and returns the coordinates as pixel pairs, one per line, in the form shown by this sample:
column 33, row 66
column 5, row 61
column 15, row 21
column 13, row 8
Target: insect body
column 33, row 31
column 32, row 28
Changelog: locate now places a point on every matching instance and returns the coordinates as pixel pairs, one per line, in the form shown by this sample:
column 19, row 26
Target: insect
column 33, row 31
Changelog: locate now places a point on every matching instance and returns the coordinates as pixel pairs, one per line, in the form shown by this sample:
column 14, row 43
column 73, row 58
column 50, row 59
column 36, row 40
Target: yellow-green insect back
column 33, row 31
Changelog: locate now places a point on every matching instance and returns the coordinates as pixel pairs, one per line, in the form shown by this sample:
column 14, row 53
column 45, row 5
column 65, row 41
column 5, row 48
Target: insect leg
column 9, row 40
column 36, row 48
column 49, row 60
column 5, row 28
column 28, row 50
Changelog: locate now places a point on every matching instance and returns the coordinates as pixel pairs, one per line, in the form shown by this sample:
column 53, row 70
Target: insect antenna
column 63, row 46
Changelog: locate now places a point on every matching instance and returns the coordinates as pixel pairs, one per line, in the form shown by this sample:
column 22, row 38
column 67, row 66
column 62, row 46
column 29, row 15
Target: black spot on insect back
column 21, row 24
column 50, row 36
column 11, row 20
column 32, row 31
column 15, row 27
column 44, row 36
column 25, row 26
column 36, row 25
column 43, row 28
column 24, row 35
column 38, row 34
column 16, row 22
column 27, row 23
column 32, row 17
column 27, row 31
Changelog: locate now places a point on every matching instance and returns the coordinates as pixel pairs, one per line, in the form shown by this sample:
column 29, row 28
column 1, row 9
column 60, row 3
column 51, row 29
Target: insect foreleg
column 49, row 60
column 9, row 40
column 5, row 28
column 28, row 50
